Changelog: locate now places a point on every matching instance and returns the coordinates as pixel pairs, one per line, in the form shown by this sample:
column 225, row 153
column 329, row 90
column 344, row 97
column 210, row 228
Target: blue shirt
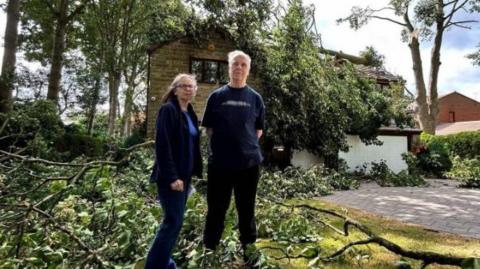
column 234, row 114
column 192, row 131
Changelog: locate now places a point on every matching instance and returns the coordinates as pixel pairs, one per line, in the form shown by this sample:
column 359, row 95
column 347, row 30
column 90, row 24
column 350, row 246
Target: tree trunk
column 434, row 70
column 57, row 54
column 352, row 58
column 126, row 122
column 113, row 85
column 9, row 58
column 421, row 99
column 92, row 110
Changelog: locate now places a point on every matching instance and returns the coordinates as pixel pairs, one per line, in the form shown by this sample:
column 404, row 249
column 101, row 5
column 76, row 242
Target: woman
column 177, row 153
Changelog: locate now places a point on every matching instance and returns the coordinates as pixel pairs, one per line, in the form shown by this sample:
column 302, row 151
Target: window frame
column 203, row 69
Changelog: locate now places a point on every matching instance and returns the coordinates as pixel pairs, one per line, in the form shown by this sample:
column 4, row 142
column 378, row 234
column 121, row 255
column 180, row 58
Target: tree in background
column 48, row 29
column 421, row 21
column 313, row 101
column 475, row 57
column 9, row 58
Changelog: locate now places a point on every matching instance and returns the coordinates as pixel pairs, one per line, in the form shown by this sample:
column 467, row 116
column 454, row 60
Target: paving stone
column 441, row 206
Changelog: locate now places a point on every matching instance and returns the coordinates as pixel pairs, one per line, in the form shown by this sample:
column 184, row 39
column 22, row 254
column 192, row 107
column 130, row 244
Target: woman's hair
column 173, row 86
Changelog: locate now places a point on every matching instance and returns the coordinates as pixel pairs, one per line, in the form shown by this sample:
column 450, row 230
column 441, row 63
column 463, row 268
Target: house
column 457, row 113
column 455, row 107
column 206, row 57
column 395, row 141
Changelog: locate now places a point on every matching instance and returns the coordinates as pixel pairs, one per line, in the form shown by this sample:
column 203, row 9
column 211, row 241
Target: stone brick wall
column 465, row 109
column 174, row 58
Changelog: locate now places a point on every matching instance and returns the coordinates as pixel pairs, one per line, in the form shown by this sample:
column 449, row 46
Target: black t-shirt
column 234, row 114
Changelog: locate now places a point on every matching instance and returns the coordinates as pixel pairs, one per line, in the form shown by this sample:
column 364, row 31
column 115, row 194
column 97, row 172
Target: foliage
column 421, row 21
column 293, row 182
column 434, row 159
column 387, row 178
column 373, row 57
column 33, row 124
column 76, row 142
column 307, row 93
column 475, row 56
column 138, row 136
column 466, row 171
column 464, row 144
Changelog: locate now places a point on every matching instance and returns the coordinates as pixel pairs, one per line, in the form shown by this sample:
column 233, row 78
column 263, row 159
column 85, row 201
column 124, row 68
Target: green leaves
column 472, row 263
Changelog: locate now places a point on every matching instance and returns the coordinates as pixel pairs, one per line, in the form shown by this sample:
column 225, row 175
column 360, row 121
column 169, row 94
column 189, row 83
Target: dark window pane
column 210, row 72
column 223, row 73
column 197, row 69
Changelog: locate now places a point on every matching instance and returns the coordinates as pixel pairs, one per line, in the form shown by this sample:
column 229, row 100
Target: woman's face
column 186, row 89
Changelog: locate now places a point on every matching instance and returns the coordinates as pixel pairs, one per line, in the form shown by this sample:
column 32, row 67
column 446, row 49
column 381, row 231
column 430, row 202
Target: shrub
column 465, row 144
column 76, row 142
column 435, row 159
column 138, row 136
column 387, row 178
column 466, row 171
column 32, row 125
column 293, row 182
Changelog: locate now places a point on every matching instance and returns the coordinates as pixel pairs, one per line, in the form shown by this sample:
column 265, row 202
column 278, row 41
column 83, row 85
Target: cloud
column 456, row 72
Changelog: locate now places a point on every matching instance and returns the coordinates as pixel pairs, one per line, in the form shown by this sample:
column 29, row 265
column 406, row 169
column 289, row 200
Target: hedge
column 464, row 145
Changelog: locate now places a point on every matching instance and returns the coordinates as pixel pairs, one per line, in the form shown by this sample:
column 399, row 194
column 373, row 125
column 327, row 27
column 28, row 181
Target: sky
column 456, row 72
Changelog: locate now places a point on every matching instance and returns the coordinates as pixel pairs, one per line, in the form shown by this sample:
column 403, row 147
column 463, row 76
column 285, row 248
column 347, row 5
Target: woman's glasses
column 186, row 86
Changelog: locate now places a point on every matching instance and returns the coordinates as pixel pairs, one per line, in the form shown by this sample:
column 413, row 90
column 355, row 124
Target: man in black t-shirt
column 234, row 118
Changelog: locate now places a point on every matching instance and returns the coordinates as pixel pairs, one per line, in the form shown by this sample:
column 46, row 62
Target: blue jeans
column 173, row 204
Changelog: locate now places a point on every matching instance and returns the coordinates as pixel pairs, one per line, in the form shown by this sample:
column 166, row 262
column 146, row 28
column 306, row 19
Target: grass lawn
column 408, row 236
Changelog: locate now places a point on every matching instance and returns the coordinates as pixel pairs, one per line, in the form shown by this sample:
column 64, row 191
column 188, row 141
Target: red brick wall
column 465, row 109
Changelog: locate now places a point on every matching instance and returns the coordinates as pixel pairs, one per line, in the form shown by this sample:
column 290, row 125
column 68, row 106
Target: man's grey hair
column 234, row 54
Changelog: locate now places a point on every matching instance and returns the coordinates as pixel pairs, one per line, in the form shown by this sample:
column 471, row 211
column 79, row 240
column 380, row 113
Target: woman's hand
column 177, row 185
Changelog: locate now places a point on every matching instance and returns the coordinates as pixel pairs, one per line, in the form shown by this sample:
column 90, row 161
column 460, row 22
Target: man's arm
column 259, row 133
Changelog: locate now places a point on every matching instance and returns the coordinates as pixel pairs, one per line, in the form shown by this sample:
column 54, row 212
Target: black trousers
column 219, row 192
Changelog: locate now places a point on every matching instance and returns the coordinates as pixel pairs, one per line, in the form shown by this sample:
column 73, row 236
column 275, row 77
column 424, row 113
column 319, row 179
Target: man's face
column 239, row 69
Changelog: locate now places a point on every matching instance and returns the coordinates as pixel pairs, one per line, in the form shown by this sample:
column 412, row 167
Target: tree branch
column 388, row 19
column 77, row 10
column 459, row 24
column 426, row 256
column 51, row 8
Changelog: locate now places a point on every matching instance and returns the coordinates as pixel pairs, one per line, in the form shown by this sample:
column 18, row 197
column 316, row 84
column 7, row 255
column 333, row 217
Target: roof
column 455, row 92
column 377, row 73
column 457, row 127
column 393, row 130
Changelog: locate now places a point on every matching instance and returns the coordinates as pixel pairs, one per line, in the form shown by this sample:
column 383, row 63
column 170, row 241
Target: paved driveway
column 441, row 206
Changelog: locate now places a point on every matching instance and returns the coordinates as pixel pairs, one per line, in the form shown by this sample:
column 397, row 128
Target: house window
column 209, row 71
column 451, row 116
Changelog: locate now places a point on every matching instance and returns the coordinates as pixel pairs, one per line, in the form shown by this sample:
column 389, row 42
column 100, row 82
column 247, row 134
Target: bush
column 76, row 142
column 32, row 125
column 466, row 171
column 387, row 178
column 293, row 182
column 465, row 144
column 138, row 136
column 434, row 160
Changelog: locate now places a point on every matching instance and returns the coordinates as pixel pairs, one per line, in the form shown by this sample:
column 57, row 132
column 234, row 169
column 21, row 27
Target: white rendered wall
column 391, row 151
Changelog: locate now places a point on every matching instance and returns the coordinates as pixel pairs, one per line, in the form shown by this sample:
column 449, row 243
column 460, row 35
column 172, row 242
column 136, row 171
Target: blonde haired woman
column 177, row 151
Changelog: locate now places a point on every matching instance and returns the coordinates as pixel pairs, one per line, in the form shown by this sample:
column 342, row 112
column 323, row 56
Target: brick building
column 206, row 58
column 454, row 107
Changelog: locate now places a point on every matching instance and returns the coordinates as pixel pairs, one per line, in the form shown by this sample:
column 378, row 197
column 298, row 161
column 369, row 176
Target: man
column 234, row 118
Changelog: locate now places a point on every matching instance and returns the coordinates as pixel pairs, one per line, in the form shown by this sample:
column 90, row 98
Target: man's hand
column 259, row 133
column 177, row 185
